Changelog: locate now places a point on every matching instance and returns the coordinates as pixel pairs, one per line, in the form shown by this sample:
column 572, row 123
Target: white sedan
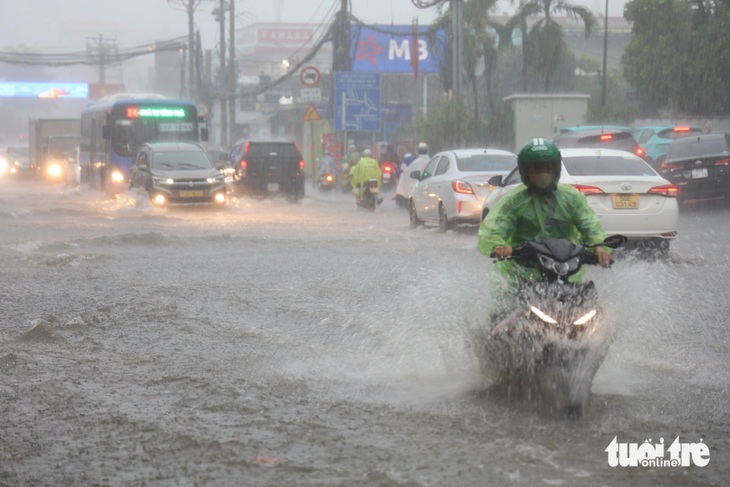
column 628, row 196
column 452, row 187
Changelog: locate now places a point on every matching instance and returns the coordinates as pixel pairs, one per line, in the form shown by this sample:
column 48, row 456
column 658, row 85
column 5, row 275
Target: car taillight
column 606, row 137
column 640, row 152
column 669, row 190
column 723, row 162
column 682, row 129
column 671, row 167
column 243, row 164
column 302, row 165
column 586, row 190
column 462, row 187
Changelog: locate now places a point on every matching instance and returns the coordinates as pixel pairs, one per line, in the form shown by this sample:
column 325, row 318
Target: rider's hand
column 604, row 258
column 503, row 250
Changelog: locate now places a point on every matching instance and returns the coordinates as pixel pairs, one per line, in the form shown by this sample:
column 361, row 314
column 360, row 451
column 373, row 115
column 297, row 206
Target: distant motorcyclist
column 407, row 159
column 348, row 162
column 404, row 190
column 390, row 156
column 536, row 210
column 326, row 165
column 366, row 168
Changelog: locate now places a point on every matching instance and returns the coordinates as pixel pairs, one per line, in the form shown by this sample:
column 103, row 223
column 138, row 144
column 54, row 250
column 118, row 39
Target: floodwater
column 314, row 344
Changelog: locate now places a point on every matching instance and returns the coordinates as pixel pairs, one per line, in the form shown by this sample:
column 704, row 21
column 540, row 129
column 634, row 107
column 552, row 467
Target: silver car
column 452, row 187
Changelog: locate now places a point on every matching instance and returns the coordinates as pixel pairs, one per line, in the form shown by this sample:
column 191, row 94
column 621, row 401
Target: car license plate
column 272, row 187
column 625, row 201
column 191, row 194
column 386, row 177
column 699, row 173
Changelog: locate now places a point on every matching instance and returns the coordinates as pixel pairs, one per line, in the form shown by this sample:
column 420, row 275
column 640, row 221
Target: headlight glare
column 544, row 317
column 585, row 318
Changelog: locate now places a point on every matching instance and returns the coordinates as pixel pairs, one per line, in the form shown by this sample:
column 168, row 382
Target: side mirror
column 495, row 180
column 614, row 241
column 142, row 167
column 416, row 175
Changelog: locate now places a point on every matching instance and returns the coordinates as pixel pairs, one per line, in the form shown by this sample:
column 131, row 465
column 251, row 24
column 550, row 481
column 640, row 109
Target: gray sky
column 48, row 25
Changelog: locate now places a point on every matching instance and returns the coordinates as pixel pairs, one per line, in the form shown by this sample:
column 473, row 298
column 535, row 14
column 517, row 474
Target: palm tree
column 544, row 44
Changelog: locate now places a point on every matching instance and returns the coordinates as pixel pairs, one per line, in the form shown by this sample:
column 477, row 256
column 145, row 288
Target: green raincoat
column 522, row 216
column 366, row 168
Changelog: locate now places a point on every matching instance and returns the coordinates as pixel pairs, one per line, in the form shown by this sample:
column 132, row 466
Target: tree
column 655, row 56
column 544, row 46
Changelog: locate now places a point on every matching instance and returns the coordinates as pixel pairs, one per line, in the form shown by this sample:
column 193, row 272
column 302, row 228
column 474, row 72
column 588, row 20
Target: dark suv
column 178, row 173
column 700, row 166
column 263, row 168
column 600, row 139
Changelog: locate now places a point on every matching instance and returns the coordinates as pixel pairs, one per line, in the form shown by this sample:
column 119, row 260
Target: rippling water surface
column 314, row 344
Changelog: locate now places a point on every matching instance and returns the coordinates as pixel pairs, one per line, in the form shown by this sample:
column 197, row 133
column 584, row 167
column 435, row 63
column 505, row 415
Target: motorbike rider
column 404, row 190
column 348, row 163
column 366, row 168
column 538, row 209
column 326, row 165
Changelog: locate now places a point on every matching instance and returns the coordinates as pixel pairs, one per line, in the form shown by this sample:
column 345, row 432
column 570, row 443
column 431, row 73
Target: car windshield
column 715, row 145
column 606, row 166
column 181, row 160
column 486, row 162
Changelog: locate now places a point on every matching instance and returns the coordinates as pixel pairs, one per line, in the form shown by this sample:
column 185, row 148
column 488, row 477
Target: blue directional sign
column 357, row 102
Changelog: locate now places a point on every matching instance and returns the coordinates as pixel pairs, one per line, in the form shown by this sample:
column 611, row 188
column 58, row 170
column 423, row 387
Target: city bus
column 113, row 128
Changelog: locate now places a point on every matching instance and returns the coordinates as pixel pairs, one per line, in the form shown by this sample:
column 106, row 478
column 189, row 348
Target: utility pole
column 220, row 16
column 341, row 61
column 605, row 57
column 103, row 48
column 189, row 6
column 232, row 75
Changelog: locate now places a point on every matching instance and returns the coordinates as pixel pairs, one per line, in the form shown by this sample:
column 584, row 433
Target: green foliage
column 451, row 124
column 679, row 55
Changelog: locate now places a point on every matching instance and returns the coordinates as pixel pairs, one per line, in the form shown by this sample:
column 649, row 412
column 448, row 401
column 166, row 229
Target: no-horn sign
column 309, row 76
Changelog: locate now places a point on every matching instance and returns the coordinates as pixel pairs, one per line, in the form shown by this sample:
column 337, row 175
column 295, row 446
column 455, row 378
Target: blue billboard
column 18, row 89
column 396, row 49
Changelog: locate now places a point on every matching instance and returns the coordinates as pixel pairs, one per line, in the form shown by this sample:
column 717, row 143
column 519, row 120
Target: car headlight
column 216, row 179
column 162, row 181
column 117, row 177
column 55, row 170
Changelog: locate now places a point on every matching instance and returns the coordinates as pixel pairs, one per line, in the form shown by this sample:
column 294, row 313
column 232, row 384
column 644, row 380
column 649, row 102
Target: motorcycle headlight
column 585, row 318
column 543, row 316
column 162, row 181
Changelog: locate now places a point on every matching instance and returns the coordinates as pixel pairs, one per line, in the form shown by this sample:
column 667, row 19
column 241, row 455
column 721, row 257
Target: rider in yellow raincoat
column 366, row 168
column 538, row 209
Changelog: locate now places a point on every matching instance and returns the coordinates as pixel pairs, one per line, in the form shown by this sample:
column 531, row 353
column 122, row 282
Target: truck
column 52, row 142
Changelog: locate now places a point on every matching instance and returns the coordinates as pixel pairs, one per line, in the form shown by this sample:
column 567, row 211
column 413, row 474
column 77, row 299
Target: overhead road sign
column 357, row 102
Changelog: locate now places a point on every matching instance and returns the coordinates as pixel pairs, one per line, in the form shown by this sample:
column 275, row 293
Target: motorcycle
column 369, row 199
column 326, row 182
column 554, row 340
column 389, row 179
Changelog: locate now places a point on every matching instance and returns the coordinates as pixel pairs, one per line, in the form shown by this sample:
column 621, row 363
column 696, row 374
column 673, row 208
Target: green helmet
column 539, row 151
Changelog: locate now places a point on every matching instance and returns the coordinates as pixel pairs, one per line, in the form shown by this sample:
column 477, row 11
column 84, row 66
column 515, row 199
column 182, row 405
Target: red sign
column 309, row 76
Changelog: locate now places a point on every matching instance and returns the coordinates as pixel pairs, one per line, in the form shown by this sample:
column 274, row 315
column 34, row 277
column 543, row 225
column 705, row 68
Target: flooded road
column 276, row 344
